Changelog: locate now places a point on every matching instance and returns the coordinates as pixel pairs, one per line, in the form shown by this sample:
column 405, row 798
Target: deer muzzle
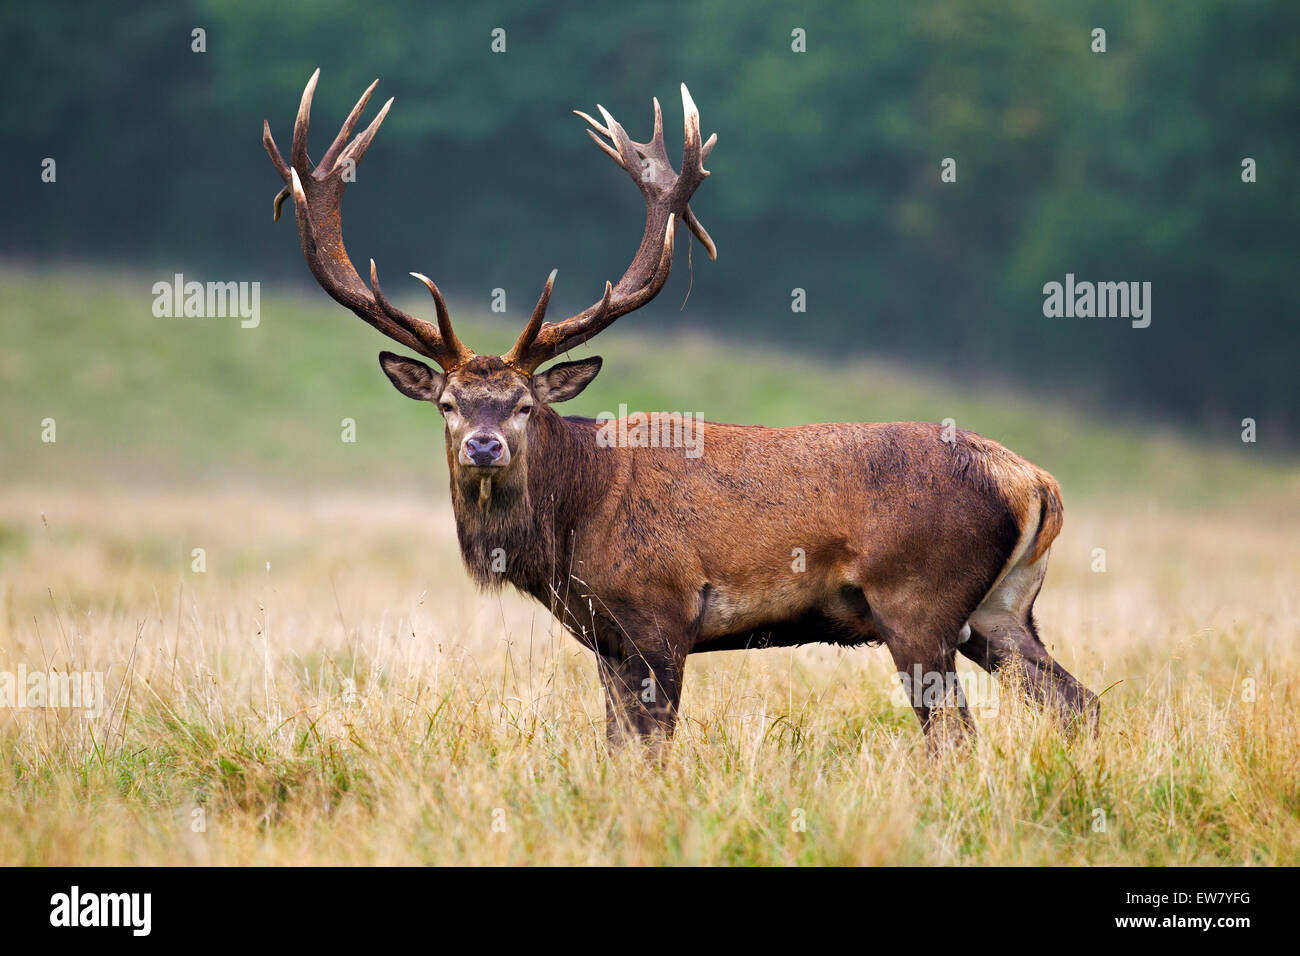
column 484, row 450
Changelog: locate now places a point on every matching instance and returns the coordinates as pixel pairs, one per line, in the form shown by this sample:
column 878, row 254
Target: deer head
column 489, row 403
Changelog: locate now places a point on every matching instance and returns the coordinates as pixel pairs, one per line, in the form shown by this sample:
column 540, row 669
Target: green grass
column 152, row 400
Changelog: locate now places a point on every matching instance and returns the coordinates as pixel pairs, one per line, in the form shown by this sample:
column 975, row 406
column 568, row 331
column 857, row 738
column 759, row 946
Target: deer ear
column 559, row 383
column 413, row 379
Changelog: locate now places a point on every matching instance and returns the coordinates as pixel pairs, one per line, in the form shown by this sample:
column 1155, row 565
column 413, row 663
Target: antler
column 317, row 194
column 666, row 195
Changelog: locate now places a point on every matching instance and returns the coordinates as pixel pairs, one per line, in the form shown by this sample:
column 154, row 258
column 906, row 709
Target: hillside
column 159, row 401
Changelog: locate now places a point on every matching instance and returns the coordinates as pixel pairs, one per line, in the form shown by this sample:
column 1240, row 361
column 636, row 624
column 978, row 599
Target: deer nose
column 483, row 449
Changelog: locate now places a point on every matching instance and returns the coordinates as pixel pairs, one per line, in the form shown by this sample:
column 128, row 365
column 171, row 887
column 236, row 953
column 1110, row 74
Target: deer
column 928, row 539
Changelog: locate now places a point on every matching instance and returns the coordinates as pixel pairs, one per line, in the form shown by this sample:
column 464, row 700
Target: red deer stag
column 930, row 543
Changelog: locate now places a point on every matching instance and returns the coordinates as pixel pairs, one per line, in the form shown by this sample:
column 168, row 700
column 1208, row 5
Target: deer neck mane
column 519, row 529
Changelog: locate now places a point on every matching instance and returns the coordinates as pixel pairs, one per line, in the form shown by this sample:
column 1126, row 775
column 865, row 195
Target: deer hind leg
column 1002, row 634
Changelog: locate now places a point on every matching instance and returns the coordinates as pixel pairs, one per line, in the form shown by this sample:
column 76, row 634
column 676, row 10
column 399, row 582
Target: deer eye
column 447, row 407
column 525, row 410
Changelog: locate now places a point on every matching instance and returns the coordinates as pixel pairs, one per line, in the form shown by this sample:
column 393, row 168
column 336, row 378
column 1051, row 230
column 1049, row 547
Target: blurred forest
column 1117, row 166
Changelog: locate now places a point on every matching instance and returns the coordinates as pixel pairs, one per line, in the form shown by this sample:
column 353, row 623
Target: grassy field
column 329, row 688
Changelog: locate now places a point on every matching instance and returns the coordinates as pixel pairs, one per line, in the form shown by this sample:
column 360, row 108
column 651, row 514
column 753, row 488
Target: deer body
column 896, row 533
column 890, row 534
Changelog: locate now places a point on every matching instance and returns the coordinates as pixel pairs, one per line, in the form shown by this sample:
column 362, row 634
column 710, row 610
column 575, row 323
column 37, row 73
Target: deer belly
column 729, row 609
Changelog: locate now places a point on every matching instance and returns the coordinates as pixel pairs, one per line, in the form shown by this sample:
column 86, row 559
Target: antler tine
column 667, row 194
column 609, row 150
column 317, row 196
column 696, row 227
column 413, row 337
column 281, row 167
column 519, row 351
column 603, row 131
column 298, row 152
column 456, row 352
column 345, row 131
column 357, row 148
column 708, row 147
column 691, row 148
column 655, row 150
column 622, row 142
column 268, row 141
column 591, row 120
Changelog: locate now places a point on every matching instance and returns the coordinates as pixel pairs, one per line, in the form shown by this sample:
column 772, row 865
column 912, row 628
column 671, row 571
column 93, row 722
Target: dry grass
column 474, row 734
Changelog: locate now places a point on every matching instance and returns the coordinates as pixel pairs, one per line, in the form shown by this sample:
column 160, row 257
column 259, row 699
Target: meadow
column 298, row 671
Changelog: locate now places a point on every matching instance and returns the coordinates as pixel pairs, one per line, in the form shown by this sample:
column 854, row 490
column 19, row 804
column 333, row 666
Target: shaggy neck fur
column 519, row 529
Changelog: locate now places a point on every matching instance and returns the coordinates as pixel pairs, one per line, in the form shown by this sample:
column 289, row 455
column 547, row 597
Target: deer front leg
column 928, row 670
column 643, row 689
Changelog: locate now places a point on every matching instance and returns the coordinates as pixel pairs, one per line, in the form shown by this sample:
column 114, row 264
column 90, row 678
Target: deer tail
column 1050, row 518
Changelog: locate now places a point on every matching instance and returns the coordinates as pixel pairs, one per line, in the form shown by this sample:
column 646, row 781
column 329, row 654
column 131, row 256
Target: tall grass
column 357, row 702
